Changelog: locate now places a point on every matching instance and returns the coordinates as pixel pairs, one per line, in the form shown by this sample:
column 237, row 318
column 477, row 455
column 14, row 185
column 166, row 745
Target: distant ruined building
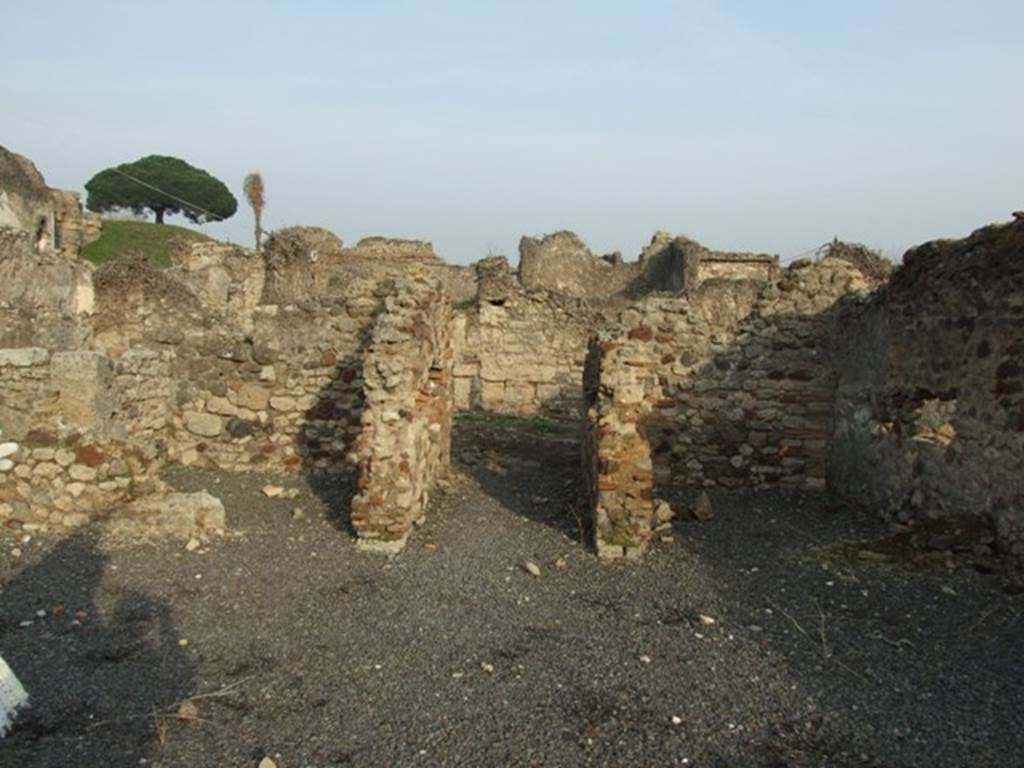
column 54, row 218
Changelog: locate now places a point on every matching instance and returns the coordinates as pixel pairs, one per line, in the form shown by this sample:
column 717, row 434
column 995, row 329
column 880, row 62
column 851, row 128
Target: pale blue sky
column 747, row 125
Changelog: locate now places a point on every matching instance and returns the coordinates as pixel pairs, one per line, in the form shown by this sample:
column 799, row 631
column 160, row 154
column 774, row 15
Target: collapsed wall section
column 405, row 443
column 730, row 387
column 930, row 404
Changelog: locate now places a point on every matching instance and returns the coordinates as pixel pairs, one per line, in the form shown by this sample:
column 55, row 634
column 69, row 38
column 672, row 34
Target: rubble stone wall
column 405, row 444
column 46, row 298
column 62, row 460
column 520, row 352
column 731, row 386
column 287, row 397
column 27, row 205
column 930, row 406
column 562, row 262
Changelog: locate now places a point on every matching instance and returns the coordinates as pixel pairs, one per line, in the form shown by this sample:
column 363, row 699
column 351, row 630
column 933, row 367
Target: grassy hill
column 121, row 238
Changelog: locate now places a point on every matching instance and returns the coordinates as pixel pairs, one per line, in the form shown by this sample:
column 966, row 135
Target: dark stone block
column 239, row 428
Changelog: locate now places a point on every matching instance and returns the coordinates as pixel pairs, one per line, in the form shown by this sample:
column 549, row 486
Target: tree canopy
column 163, row 185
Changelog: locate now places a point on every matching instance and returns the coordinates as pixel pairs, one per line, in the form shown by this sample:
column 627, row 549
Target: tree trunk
column 159, row 215
column 259, row 231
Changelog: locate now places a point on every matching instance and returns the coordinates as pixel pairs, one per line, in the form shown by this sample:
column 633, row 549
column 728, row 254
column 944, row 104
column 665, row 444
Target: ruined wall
column 930, row 405
column 731, row 386
column 288, row 397
column 563, row 263
column 137, row 305
column 45, row 299
column 53, row 219
column 66, row 455
column 405, row 443
column 617, row 467
column 227, row 280
column 518, row 351
column 292, row 256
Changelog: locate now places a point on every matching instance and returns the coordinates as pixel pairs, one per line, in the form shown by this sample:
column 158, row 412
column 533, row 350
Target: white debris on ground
column 12, row 697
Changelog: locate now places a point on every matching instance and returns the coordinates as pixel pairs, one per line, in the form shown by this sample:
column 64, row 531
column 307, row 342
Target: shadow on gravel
column 336, row 491
column 103, row 691
column 532, row 468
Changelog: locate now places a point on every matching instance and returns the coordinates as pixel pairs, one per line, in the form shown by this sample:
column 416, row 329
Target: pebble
column 872, row 556
column 702, row 509
column 532, row 568
column 645, row 659
column 707, row 620
column 16, row 552
column 266, row 762
column 193, row 545
column 272, row 491
column 487, row 667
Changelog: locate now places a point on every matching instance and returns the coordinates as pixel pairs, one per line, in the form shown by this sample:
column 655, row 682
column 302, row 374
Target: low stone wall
column 520, row 352
column 930, row 405
column 61, row 464
column 405, row 442
column 730, row 387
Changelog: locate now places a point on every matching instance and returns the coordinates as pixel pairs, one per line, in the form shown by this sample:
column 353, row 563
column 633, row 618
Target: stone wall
column 679, row 264
column 46, row 297
column 731, row 386
column 53, row 219
column 562, row 262
column 292, row 256
column 930, row 406
column 287, row 397
column 405, row 442
column 518, row 351
column 65, row 458
column 228, row 281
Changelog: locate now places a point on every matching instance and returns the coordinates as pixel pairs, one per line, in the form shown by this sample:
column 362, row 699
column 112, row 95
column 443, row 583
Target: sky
column 747, row 125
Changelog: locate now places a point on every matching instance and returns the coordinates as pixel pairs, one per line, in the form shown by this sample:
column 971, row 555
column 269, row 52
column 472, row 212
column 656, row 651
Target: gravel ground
column 733, row 645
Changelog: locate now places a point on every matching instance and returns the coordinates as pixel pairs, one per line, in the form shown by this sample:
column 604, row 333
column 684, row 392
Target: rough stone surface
column 177, row 514
column 519, row 351
column 728, row 385
column 405, row 443
column 696, row 369
column 930, row 402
